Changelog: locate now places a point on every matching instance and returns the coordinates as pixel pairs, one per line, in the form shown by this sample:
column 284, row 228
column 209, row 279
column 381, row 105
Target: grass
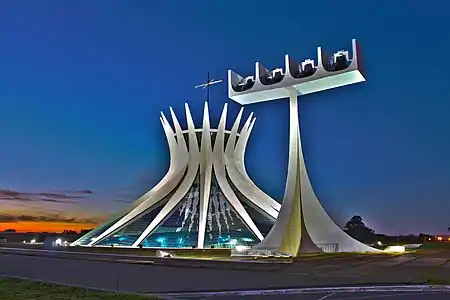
column 17, row 289
column 436, row 281
column 435, row 246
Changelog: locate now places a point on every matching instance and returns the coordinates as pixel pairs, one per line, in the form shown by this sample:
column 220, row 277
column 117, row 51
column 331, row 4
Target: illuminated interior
column 179, row 229
column 173, row 220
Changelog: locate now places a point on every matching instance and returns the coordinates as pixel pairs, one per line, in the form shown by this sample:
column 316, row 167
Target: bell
column 341, row 63
column 308, row 70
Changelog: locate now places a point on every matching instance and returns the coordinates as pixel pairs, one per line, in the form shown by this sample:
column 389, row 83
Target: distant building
column 442, row 238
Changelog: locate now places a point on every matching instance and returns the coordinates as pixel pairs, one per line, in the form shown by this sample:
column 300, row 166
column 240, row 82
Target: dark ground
column 15, row 289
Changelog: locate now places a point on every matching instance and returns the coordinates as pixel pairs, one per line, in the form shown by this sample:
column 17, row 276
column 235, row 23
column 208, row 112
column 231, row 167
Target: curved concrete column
column 234, row 162
column 303, row 224
column 219, row 170
column 178, row 163
column 205, row 176
column 191, row 159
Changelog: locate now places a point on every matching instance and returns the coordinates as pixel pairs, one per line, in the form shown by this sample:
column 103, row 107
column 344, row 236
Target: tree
column 10, row 230
column 425, row 237
column 358, row 230
column 85, row 231
column 68, row 231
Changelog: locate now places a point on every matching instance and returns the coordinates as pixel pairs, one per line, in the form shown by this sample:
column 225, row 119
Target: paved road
column 149, row 277
column 148, row 260
column 370, row 292
column 75, row 255
column 340, row 296
column 141, row 278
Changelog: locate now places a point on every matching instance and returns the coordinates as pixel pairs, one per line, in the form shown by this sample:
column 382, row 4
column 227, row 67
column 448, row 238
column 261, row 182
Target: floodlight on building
column 240, row 248
column 395, row 249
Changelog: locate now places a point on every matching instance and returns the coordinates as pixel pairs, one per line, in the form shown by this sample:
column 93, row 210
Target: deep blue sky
column 82, row 84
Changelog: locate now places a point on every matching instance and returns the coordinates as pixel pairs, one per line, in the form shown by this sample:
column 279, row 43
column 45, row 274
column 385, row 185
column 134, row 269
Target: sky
column 82, row 85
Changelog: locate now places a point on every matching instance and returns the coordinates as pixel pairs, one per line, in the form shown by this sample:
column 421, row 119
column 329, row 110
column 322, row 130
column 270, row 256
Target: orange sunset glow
column 24, row 226
column 48, row 211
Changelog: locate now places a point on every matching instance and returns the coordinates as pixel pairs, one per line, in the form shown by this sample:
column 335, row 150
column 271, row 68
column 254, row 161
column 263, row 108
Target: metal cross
column 206, row 85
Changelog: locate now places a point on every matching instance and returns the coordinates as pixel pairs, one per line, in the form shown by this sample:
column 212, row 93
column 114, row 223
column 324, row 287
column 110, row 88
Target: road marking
column 348, row 289
column 394, row 294
column 327, row 296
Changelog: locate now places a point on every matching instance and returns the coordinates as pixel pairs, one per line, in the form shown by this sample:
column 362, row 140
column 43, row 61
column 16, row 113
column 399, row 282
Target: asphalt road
column 340, row 296
column 133, row 277
column 130, row 274
column 403, row 292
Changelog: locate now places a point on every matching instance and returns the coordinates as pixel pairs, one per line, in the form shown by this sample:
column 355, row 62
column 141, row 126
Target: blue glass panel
column 131, row 232
column 86, row 239
column 262, row 220
column 224, row 227
column 180, row 228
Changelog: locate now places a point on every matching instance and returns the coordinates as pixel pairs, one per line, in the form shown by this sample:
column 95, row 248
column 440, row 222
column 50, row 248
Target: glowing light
column 162, row 241
column 160, row 253
column 241, row 248
column 395, row 249
column 33, row 241
column 58, row 242
column 439, row 238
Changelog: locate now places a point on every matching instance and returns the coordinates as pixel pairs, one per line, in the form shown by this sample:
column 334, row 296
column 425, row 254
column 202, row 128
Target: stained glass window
column 224, row 227
column 131, row 232
column 88, row 237
column 262, row 220
column 180, row 228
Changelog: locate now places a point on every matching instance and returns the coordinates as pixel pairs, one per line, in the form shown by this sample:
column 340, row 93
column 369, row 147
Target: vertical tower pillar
column 289, row 234
column 302, row 224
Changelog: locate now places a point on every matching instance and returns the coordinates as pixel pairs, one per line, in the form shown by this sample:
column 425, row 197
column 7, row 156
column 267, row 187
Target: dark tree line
column 68, row 231
column 358, row 230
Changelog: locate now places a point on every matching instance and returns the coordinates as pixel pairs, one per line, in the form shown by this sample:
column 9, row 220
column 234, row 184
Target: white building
column 205, row 200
